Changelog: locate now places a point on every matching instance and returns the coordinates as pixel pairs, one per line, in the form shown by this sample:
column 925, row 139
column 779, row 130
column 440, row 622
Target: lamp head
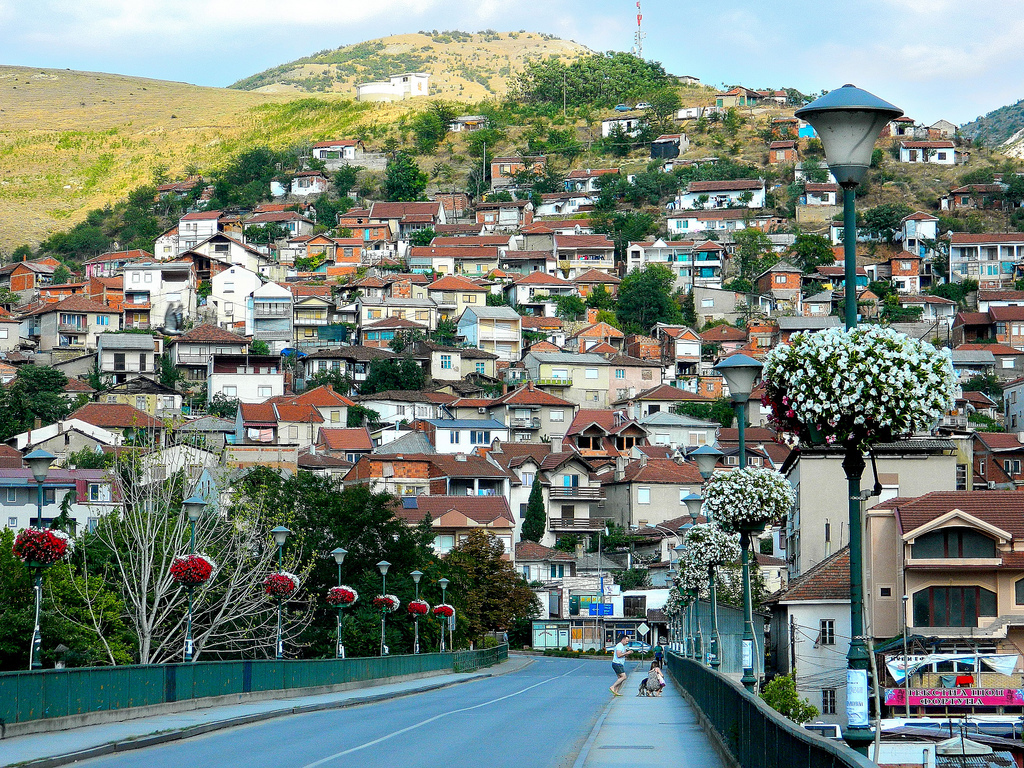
column 39, row 462
column 693, row 503
column 741, row 374
column 848, row 120
column 280, row 535
column 416, row 576
column 706, row 458
column 444, row 583
column 339, row 555
column 194, row 507
column 680, row 548
column 383, row 566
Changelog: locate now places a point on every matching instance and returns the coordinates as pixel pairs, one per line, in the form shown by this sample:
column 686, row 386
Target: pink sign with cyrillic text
column 956, row 697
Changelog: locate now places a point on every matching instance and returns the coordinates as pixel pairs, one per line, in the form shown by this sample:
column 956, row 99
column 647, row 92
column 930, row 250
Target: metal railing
column 27, row 696
column 755, row 734
column 577, row 523
column 576, row 492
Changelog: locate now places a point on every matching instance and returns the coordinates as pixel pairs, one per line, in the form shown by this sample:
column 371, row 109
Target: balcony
column 525, row 423
column 311, row 319
column 142, row 325
column 554, row 382
column 72, row 329
column 268, row 334
column 284, row 310
column 577, row 524
column 576, row 492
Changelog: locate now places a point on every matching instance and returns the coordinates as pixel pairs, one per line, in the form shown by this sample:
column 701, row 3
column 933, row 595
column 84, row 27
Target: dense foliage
column 601, row 80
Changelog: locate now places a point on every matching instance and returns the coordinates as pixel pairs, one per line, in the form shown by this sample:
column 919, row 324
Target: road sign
column 643, row 629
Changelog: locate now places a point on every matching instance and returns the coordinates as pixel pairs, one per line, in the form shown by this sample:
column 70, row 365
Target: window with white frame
column 12, row 495
column 620, row 373
column 446, row 362
column 556, row 416
column 479, row 437
column 443, row 543
column 480, row 368
column 643, row 495
column 590, row 373
column 12, row 522
column 263, row 391
column 827, row 632
column 229, row 391
column 453, row 436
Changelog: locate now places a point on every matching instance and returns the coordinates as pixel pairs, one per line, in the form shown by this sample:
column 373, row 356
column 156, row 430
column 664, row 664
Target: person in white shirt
column 619, row 654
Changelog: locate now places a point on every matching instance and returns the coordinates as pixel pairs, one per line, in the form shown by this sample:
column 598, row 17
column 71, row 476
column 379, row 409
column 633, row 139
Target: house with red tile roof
column 587, row 282
column 123, row 420
column 784, row 151
column 533, row 415
column 454, row 517
column 193, row 351
column 539, row 563
column 588, row 337
column 989, row 258
column 645, row 490
column 659, row 399
column 533, row 291
column 578, row 254
column 998, row 461
column 737, row 193
column 111, row 263
column 74, row 323
column 349, row 443
column 603, row 434
column 942, row 152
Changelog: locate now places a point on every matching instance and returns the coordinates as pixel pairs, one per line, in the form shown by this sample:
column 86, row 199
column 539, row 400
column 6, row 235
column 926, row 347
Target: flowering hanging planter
column 857, row 387
column 192, row 570
column 40, row 547
column 418, row 607
column 710, row 546
column 745, row 500
column 444, row 610
column 281, row 585
column 386, row 603
column 341, row 597
column 693, row 575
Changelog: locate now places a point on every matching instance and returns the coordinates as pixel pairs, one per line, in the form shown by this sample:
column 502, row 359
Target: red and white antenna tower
column 640, row 34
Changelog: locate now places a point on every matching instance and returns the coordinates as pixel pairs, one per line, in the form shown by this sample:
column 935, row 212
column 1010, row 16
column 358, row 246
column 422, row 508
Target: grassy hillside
column 464, row 66
column 998, row 125
column 73, row 141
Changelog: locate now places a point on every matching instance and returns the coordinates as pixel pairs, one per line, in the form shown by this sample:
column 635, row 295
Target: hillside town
column 509, row 364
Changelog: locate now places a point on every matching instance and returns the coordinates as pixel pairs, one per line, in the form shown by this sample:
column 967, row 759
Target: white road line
column 433, row 719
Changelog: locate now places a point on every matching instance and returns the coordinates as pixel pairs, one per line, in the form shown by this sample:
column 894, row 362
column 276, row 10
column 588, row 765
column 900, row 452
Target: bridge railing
column 753, row 733
column 27, row 696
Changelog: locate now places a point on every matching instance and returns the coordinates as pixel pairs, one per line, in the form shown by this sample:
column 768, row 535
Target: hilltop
column 463, row 65
column 1000, row 126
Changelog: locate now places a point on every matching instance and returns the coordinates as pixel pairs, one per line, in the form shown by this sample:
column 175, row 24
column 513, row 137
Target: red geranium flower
column 418, row 607
column 192, row 570
column 341, row 597
column 281, row 585
column 444, row 610
column 44, row 546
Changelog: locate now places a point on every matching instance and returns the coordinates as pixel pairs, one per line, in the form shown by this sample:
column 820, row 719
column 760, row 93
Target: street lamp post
column 444, row 587
column 848, row 121
column 339, row 557
column 39, row 462
column 906, row 659
column 741, row 373
column 193, row 508
column 383, row 566
column 416, row 576
column 280, row 534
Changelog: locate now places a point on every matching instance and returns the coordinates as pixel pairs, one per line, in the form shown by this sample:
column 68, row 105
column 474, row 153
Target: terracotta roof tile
column 207, row 333
column 346, row 439
column 492, row 511
column 828, row 580
column 530, row 551
column 661, row 471
column 528, row 395
column 1003, row 509
column 114, row 415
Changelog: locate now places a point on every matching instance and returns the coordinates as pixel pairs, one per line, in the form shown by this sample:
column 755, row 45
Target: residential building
column 689, row 223
column 783, row 281
column 575, row 503
column 74, row 323
column 523, row 291
column 669, row 146
column 737, row 97
column 159, row 294
column 463, row 435
column 422, row 311
column 1013, row 404
column 998, row 461
column 784, row 151
column 352, row 361
column 591, row 336
column 937, row 152
column 738, row 193
column 660, row 399
column 443, row 363
column 306, row 183
column 454, row 517
column 278, row 421
column 407, row 85
column 268, row 316
column 193, row 228
column 589, row 379
column 395, row 406
column 146, row 395
column 380, row 333
column 453, row 294
column 94, row 497
column 539, row 563
column 61, row 438
column 650, row 491
column 402, row 219
column 532, row 415
column 623, row 124
column 587, row 282
column 246, row 378
column 988, row 258
column 504, row 215
column 603, row 434
column 974, row 197
column 577, row 254
column 112, row 263
column 678, row 432
column 125, row 420
column 493, row 329
column 820, row 194
column 337, row 152
column 349, row 443
column 193, row 351
column 125, row 356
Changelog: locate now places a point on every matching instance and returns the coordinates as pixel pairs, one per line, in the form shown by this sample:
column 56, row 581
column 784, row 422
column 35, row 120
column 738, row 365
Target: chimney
column 620, row 468
column 591, row 315
column 312, row 449
column 643, row 460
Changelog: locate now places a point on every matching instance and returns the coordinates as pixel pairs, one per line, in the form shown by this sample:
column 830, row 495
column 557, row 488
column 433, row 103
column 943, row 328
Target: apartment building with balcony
column 309, row 314
column 650, row 491
column 230, row 288
column 146, row 395
column 454, row 294
column 534, row 291
column 463, row 435
column 989, row 258
column 454, row 517
column 575, row 502
column 533, row 415
column 125, row 356
column 74, row 323
column 493, row 329
column 422, row 311
column 246, row 378
column 159, row 294
column 193, row 351
column 94, row 497
column 577, row 254
column 268, row 316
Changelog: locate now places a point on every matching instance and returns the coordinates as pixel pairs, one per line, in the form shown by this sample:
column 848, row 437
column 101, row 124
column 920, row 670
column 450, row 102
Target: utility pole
column 563, row 117
column 792, row 647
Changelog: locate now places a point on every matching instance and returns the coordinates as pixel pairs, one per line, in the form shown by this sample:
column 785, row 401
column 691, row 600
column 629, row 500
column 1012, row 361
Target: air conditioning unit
column 481, row 409
column 991, row 485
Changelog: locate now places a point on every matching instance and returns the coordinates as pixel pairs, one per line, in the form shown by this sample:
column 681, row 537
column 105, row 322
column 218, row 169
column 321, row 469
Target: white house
column 231, row 289
column 821, row 194
column 917, row 228
column 246, row 378
column 337, row 149
column 228, row 249
column 800, row 174
column 737, row 193
column 564, row 203
column 193, row 228
column 407, row 85
column 690, row 223
column 524, row 290
column 936, row 152
column 629, row 124
column 933, row 308
column 268, row 316
column 159, row 294
column 309, row 183
column 293, row 222
column 465, row 435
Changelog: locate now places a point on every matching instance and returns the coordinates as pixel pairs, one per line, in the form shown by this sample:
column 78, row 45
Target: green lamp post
column 339, row 557
column 280, row 534
column 39, row 462
column 194, row 507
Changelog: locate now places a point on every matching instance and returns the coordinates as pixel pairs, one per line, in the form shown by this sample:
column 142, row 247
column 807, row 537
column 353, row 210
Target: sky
column 936, row 59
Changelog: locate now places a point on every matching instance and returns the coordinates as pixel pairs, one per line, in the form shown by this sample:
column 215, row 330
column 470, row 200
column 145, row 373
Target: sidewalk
column 636, row 731
column 41, row 750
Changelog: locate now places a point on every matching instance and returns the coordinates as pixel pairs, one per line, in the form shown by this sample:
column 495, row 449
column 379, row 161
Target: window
column 620, row 373
column 49, row 496
column 590, row 373
column 527, row 478
column 479, row 437
column 12, row 495
column 293, row 431
column 263, row 391
column 446, row 362
column 142, row 362
column 140, row 402
column 229, row 391
column 827, row 632
column 683, row 493
column 828, row 701
column 443, row 543
column 12, row 522
column 1018, row 590
column 469, row 298
column 229, row 288
column 643, row 495
column 557, row 571
column 1007, row 362
column 953, row 542
column 335, row 417
column 942, row 155
column 952, row 606
column 885, row 591
column 100, row 320
column 556, row 416
column 1011, row 466
column 707, row 303
column 481, row 368
column 780, row 279
column 453, row 436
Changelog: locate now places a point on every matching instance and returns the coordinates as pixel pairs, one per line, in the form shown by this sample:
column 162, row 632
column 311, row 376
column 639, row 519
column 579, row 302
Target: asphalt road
column 537, row 717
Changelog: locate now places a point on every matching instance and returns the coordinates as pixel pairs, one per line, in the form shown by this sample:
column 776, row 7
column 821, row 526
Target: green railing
column 26, row 696
column 755, row 734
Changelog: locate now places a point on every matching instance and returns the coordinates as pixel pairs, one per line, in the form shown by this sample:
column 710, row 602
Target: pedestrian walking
column 659, row 652
column 619, row 654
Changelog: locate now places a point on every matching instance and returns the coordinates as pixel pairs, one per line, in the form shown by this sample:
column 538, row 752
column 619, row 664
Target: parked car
column 633, row 646
column 643, row 105
column 621, row 108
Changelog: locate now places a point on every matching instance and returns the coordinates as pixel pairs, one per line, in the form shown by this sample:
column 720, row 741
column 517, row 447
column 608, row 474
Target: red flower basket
column 41, row 546
column 418, row 607
column 192, row 570
column 444, row 610
column 281, row 585
column 386, row 603
column 341, row 597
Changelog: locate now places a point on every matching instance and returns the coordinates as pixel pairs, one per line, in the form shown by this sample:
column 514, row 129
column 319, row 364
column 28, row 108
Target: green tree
column 37, row 392
column 633, row 578
column 600, row 298
column 883, row 221
column 422, row 236
column 265, row 234
column 689, row 310
column 811, row 251
column 780, row 694
column 447, row 332
column 645, row 298
column 21, row 253
column 62, row 275
column 345, row 179
column 988, row 383
column 403, row 179
column 719, row 410
column 360, row 415
column 223, row 406
column 535, row 519
column 392, row 373
column 625, row 227
column 814, row 171
column 259, row 347
column 753, row 252
column 170, row 374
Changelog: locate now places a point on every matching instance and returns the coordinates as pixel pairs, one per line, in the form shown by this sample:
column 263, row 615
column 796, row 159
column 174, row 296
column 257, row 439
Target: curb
column 155, row 739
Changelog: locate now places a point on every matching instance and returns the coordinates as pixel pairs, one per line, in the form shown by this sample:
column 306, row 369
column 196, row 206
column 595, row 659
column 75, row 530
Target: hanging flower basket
column 342, row 597
column 709, row 545
column 745, row 500
column 418, row 607
column 42, row 546
column 693, row 576
column 857, row 387
column 386, row 603
column 281, row 585
column 444, row 610
column 192, row 570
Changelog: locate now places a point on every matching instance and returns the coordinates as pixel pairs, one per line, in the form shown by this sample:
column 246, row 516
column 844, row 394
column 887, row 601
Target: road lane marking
column 435, row 718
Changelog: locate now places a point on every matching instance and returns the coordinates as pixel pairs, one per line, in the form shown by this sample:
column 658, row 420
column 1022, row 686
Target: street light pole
column 383, row 566
column 906, row 659
column 848, row 121
column 39, row 463
column 280, row 534
column 444, row 586
column 416, row 576
column 741, row 373
column 339, row 557
column 193, row 508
